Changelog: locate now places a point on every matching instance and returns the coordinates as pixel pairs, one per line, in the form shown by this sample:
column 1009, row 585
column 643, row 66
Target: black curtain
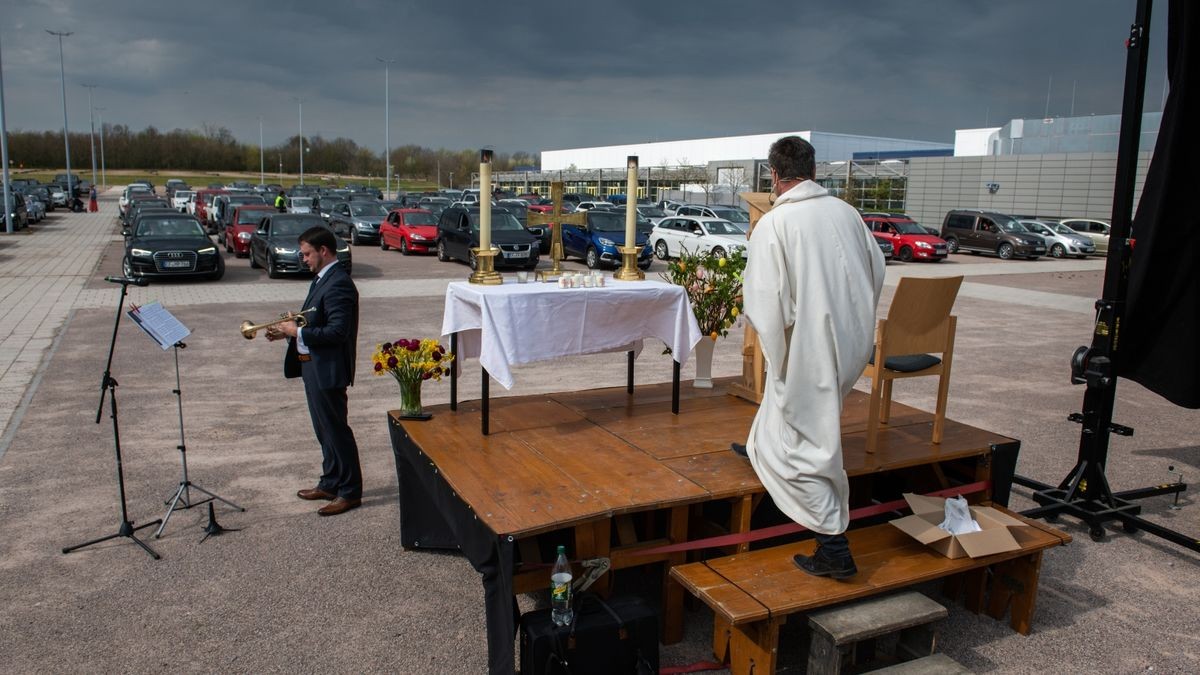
column 1160, row 340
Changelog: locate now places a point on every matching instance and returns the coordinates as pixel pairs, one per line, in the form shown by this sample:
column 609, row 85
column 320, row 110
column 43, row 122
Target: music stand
column 108, row 385
column 169, row 332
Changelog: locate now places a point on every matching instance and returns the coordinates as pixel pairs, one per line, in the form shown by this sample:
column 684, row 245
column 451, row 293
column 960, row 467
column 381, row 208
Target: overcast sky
column 537, row 75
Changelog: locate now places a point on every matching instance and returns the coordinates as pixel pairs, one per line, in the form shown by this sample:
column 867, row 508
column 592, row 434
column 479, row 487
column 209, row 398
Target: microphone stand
column 108, row 385
column 183, row 496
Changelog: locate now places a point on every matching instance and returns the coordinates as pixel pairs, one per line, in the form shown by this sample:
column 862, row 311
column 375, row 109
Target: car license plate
column 177, row 263
column 1039, row 249
column 516, row 254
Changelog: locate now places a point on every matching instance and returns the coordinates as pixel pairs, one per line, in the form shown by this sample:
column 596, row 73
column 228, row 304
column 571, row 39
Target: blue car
column 597, row 243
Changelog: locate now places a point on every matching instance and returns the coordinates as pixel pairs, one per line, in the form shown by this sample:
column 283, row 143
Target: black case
column 608, row 637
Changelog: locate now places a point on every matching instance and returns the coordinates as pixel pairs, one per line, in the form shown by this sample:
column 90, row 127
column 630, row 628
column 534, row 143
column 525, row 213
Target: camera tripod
column 183, row 495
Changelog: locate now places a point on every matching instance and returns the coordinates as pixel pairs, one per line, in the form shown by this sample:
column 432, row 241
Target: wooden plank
column 886, row 558
column 617, row 397
column 672, row 628
column 727, row 600
column 912, row 445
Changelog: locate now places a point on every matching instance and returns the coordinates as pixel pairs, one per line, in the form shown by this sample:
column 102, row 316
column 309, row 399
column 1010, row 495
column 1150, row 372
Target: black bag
column 610, row 637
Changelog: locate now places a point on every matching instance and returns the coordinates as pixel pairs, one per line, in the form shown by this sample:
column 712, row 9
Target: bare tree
column 732, row 177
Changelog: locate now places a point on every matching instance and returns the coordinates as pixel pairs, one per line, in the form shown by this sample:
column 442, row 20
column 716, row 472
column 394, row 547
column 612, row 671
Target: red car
column 910, row 240
column 241, row 228
column 204, row 197
column 410, row 230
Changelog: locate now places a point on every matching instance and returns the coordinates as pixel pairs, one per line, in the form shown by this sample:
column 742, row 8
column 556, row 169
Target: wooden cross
column 555, row 220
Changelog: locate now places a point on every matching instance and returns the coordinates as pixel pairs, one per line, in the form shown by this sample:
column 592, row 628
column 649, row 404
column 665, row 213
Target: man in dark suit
column 323, row 354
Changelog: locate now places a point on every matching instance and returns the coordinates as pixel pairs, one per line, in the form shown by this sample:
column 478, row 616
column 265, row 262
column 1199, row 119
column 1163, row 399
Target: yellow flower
column 721, row 262
column 734, row 312
column 714, row 336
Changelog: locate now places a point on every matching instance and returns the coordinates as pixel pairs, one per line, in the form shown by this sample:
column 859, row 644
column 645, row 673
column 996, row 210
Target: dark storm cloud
column 541, row 75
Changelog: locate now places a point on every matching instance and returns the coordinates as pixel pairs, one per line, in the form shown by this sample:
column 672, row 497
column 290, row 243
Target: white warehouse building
column 704, row 151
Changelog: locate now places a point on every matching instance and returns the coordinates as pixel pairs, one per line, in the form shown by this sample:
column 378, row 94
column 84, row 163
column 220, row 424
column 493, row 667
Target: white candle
column 485, row 200
column 631, row 181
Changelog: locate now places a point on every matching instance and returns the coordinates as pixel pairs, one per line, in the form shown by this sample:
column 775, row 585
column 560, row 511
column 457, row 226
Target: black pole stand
column 183, row 496
column 108, row 386
column 1085, row 492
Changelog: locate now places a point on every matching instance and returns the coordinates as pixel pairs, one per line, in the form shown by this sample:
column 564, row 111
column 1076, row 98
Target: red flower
column 392, row 361
column 387, row 347
column 413, row 346
column 436, row 357
column 378, row 367
column 426, row 376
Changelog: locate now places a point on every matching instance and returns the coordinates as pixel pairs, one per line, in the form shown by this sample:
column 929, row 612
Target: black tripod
column 108, row 386
column 183, row 496
column 1085, row 493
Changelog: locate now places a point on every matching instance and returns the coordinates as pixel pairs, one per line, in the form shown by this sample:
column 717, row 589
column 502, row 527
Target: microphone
column 125, row 281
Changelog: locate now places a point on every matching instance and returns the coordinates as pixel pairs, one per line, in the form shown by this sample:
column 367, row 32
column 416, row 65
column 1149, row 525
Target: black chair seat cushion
column 910, row 363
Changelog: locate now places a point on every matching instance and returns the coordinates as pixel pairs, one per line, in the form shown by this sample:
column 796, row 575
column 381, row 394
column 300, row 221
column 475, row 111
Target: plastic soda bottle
column 560, row 590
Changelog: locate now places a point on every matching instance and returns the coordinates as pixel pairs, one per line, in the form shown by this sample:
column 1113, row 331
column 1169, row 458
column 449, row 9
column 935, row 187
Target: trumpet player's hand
column 282, row 330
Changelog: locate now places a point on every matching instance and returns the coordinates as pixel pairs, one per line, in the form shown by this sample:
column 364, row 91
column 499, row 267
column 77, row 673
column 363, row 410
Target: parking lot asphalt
column 268, row 597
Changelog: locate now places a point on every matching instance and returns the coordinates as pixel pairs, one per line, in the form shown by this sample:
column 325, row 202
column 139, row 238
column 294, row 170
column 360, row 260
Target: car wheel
column 441, row 251
column 906, row 254
column 253, row 261
column 660, row 250
column 471, row 262
column 127, row 268
column 354, row 237
column 1005, row 251
column 383, row 244
column 1058, row 251
column 592, row 258
column 404, row 247
column 952, row 245
column 272, row 271
column 216, row 276
column 644, row 265
column 718, row 252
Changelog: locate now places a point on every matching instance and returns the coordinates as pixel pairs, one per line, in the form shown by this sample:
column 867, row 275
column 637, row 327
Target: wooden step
column 934, row 664
column 872, row 618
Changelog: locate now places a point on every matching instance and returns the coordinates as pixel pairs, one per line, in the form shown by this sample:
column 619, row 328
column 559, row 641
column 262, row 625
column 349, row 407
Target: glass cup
column 522, row 277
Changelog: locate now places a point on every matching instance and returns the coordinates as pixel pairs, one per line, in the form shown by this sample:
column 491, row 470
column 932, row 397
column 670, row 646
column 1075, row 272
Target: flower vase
column 703, row 354
column 410, row 401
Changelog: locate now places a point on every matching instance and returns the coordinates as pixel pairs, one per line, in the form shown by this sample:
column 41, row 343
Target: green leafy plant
column 714, row 286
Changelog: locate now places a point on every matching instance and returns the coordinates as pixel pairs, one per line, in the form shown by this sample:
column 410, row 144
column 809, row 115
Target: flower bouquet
column 411, row 362
column 714, row 287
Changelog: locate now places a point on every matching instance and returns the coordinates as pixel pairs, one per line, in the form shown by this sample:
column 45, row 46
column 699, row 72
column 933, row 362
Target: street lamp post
column 300, row 107
column 62, row 71
column 387, row 128
column 4, row 152
column 92, row 121
column 262, row 175
column 103, row 173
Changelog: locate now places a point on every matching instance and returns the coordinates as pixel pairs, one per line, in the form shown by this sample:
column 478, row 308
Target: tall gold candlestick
column 629, row 252
column 485, row 264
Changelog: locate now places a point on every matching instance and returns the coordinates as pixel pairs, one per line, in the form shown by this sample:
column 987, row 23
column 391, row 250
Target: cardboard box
column 994, row 535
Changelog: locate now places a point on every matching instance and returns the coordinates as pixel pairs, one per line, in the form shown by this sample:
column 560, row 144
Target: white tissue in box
column 958, row 517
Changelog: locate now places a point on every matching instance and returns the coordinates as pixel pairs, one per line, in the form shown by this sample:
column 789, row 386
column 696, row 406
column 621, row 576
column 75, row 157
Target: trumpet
column 249, row 330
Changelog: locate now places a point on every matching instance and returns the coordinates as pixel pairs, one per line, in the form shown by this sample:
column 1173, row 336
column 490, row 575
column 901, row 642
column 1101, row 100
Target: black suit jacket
column 332, row 331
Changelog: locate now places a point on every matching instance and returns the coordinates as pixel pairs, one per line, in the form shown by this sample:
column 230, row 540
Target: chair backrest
column 919, row 317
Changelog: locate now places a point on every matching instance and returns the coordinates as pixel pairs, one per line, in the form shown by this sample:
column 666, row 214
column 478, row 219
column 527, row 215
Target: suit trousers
column 341, row 474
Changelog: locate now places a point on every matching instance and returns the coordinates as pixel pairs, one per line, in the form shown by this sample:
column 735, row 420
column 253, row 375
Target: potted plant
column 714, row 286
column 411, row 362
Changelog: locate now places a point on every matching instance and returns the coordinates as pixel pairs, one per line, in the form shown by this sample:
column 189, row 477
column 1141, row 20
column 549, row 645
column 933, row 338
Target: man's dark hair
column 319, row 236
column 793, row 158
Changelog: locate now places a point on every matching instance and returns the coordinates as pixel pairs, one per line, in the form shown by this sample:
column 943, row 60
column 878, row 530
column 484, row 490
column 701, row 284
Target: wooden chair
column 918, row 326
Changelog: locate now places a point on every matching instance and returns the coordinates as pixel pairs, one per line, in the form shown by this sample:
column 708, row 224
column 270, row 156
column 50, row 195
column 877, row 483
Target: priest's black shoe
column 739, row 449
column 821, row 565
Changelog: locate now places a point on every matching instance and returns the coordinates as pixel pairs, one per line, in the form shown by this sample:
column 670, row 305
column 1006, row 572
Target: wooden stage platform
column 617, row 473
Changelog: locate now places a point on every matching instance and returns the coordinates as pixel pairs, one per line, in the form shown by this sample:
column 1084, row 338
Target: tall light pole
column 262, row 175
column 62, row 71
column 103, row 173
column 92, row 120
column 387, row 129
column 300, row 104
column 4, row 152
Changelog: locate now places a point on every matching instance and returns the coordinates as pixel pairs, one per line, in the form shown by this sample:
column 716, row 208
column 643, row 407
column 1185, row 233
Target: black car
column 170, row 244
column 275, row 245
column 225, row 205
column 136, row 207
column 458, row 233
column 357, row 221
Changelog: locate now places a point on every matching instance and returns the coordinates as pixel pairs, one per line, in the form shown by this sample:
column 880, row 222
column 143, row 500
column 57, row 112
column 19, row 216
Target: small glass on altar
column 522, row 277
column 599, row 279
column 589, row 281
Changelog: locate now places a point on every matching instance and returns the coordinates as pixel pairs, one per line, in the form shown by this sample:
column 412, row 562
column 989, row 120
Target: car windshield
column 908, row 227
column 651, row 211
column 1036, row 227
column 169, row 227
column 722, row 227
column 249, row 217
column 286, row 227
column 368, row 210
column 501, row 221
column 238, row 201
column 419, row 219
column 301, row 201
column 1010, row 225
column 182, row 194
column 1063, row 229
column 732, row 215
column 519, row 203
column 603, row 220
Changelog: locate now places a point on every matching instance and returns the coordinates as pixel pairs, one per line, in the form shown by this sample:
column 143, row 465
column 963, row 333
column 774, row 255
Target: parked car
column 174, row 185
column 885, row 245
column 409, row 231
column 204, row 200
column 458, row 234
column 43, row 195
column 653, row 213
column 592, row 204
column 597, row 242
column 139, row 203
column 990, row 232
column 17, row 211
column 170, row 245
column 180, row 199
column 357, row 221
column 275, row 243
column 34, row 208
column 909, row 240
column 300, row 205
column 738, row 217
column 1062, row 240
column 223, row 206
column 674, row 235
column 60, row 196
column 237, row 233
column 1096, row 230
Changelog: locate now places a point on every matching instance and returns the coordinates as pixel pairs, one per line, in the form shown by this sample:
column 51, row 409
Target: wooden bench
column 850, row 631
column 753, row 594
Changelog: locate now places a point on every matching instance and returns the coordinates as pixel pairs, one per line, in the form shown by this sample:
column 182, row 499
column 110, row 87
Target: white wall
column 698, row 151
column 974, row 142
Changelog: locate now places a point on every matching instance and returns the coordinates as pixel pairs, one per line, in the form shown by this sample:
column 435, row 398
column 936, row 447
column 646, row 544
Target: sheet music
column 159, row 324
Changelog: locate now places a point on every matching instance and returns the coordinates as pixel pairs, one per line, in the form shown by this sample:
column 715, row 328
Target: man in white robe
column 812, row 284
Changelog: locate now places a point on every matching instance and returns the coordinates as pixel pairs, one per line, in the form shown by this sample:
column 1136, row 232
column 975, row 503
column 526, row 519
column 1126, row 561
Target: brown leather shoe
column 339, row 505
column 315, row 493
